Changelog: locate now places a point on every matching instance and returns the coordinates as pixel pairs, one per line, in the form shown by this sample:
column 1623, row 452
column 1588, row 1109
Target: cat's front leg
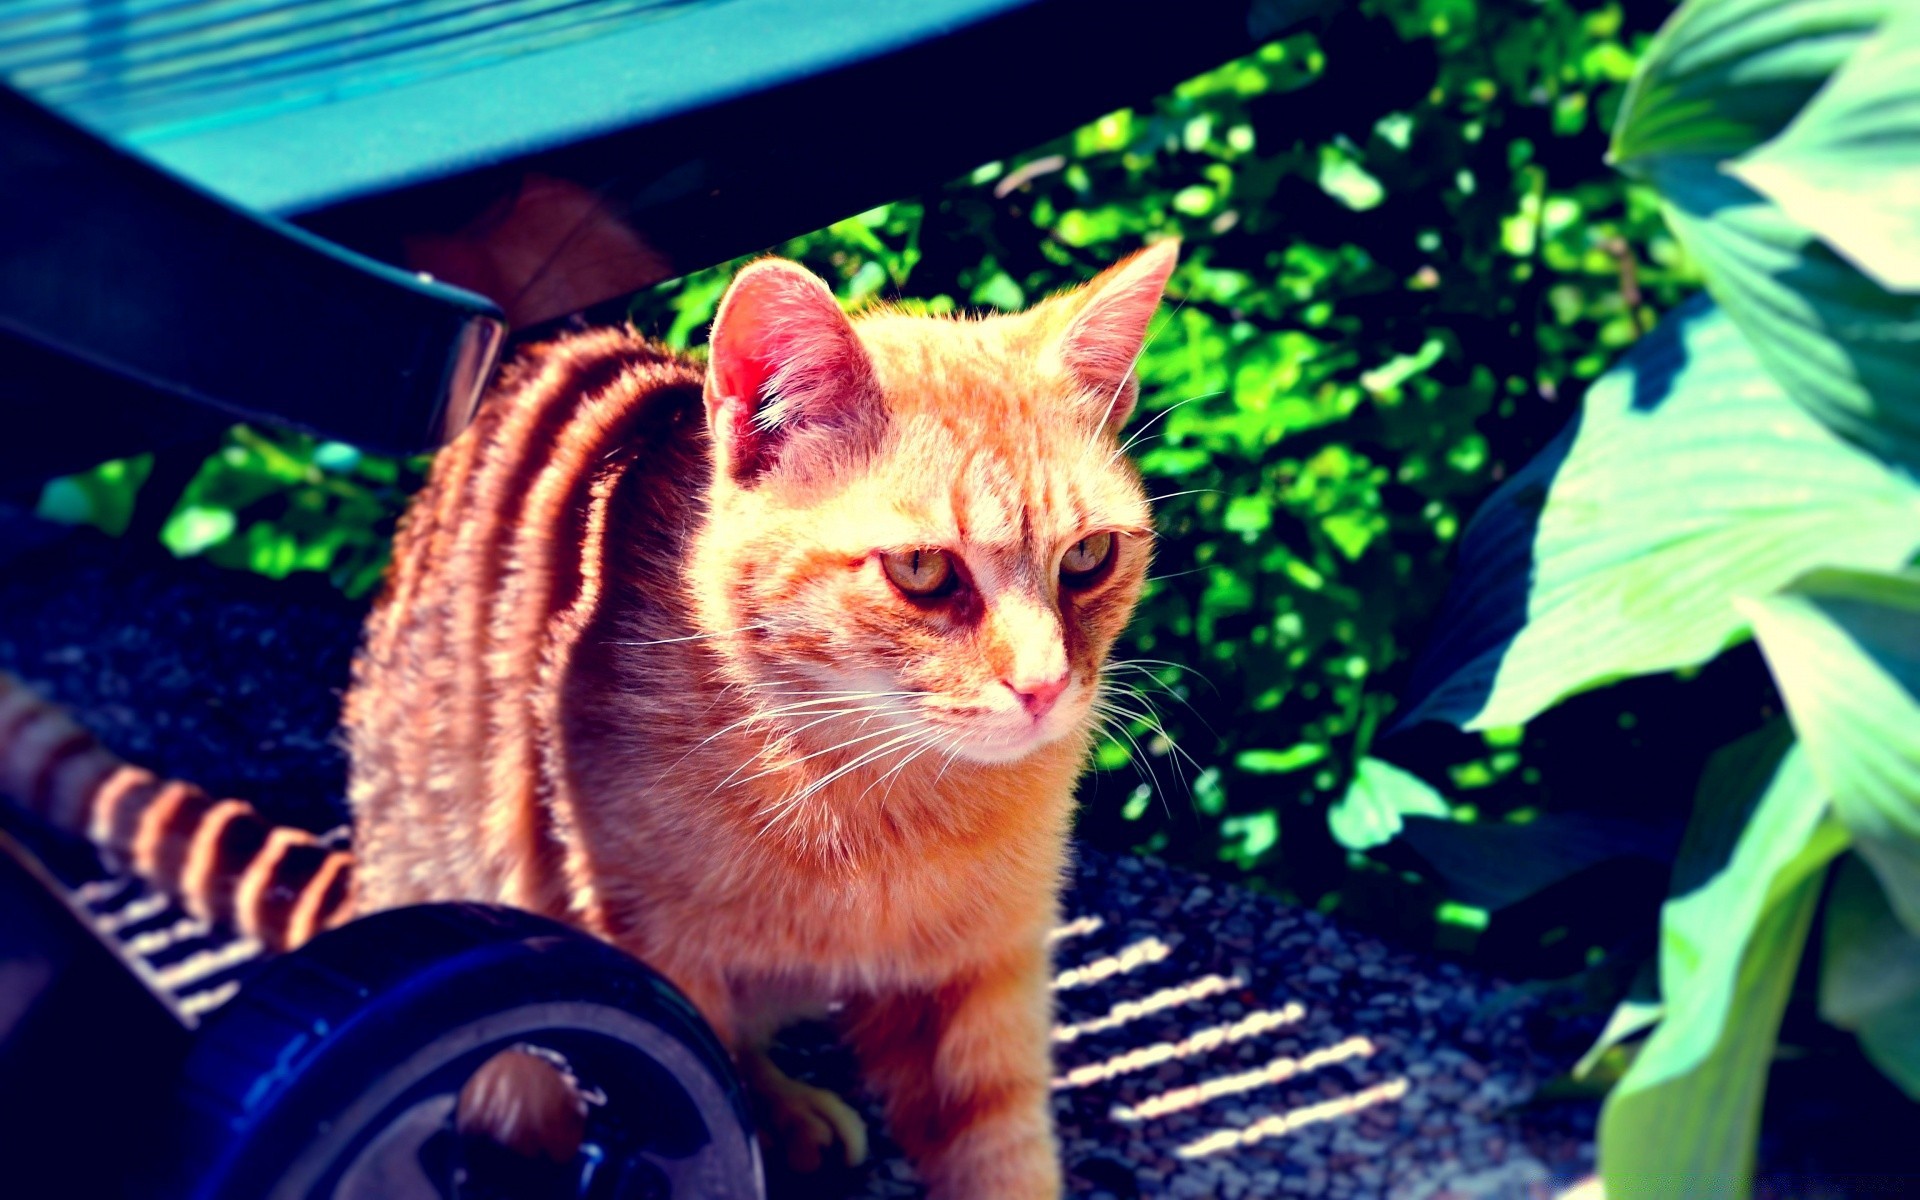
column 964, row 1069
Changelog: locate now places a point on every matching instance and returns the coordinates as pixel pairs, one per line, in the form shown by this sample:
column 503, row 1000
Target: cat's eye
column 1086, row 558
column 921, row 574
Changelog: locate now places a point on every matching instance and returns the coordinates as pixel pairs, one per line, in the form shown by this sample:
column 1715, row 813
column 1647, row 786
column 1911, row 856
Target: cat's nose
column 1038, row 695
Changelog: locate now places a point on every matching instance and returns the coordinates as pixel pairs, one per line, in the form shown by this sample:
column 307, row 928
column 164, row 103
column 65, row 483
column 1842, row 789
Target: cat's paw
column 811, row 1127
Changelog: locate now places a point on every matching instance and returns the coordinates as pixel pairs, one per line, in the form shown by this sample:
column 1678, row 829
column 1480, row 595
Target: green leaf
column 336, row 456
column 1848, row 167
column 1255, row 833
column 1637, row 1012
column 1496, row 864
column 1380, row 796
column 1837, row 342
column 1870, row 975
column 1683, row 1120
column 1689, row 479
column 1722, row 77
column 103, row 497
column 64, row 500
column 193, row 528
column 1276, row 762
column 1347, row 181
column 1692, row 1134
column 1760, row 822
column 1001, row 292
column 1845, row 649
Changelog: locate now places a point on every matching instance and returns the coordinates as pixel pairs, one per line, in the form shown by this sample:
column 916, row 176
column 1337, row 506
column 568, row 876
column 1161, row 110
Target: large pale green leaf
column 1682, row 1121
column 1848, row 167
column 1723, row 76
column 1692, row 1135
column 1845, row 649
column 1688, row 479
column 1761, row 823
column 1870, row 975
column 1841, row 345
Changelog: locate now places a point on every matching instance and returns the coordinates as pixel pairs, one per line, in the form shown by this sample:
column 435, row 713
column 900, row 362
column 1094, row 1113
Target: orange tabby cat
column 778, row 677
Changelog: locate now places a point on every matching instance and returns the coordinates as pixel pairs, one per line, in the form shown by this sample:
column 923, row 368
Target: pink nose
column 1038, row 697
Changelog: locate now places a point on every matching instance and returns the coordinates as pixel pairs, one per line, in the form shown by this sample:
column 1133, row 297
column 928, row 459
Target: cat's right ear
column 783, row 360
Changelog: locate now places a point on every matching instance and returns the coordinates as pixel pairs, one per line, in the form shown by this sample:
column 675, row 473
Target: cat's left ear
column 1105, row 336
column 786, row 377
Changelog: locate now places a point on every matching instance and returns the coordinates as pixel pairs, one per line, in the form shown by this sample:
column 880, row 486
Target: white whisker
column 1158, row 417
column 692, row 637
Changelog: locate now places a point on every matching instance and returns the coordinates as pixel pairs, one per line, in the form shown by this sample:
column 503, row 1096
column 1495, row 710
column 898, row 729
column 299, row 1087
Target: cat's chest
column 902, row 922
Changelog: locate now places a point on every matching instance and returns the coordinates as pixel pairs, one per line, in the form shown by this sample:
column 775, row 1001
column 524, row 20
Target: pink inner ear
column 782, row 354
column 1105, row 338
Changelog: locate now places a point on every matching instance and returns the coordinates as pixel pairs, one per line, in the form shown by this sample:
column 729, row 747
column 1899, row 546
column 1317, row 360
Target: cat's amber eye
column 920, row 574
column 1086, row 558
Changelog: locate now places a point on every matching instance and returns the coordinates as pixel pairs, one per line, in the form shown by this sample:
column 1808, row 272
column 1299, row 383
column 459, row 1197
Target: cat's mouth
column 993, row 736
column 883, row 716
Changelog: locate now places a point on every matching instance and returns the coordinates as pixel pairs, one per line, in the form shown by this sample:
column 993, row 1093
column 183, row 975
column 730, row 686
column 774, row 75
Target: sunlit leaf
column 1250, row 836
column 1843, row 347
column 1844, row 647
column 1683, row 1120
column 1724, row 76
column 1348, row 182
column 1848, row 167
column 193, row 528
column 102, row 497
column 336, row 456
column 1371, row 812
column 1275, row 762
column 1689, row 479
column 64, row 500
column 1690, row 1135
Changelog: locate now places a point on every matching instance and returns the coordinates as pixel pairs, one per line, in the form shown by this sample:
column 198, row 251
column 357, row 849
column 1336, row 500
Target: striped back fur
column 461, row 783
column 222, row 859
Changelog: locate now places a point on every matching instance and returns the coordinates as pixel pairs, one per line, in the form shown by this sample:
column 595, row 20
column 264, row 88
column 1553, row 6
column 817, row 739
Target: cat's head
column 925, row 525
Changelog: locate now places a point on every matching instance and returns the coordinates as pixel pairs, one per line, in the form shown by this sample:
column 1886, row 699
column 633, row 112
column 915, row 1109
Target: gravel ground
column 1215, row 1043
column 1212, row 1042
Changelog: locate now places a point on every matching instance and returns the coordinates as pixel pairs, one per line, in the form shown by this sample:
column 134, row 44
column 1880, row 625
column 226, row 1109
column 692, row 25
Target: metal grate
column 192, row 965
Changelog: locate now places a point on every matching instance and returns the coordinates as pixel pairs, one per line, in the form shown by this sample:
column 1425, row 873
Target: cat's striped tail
column 221, row 859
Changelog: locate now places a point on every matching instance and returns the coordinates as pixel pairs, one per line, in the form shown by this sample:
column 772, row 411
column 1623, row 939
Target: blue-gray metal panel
column 288, row 108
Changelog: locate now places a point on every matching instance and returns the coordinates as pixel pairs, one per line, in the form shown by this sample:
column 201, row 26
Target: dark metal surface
column 85, row 1051
column 548, row 156
column 128, row 300
column 712, row 174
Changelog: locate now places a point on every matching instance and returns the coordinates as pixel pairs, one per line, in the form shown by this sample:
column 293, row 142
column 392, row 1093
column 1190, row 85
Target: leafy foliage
column 1733, row 402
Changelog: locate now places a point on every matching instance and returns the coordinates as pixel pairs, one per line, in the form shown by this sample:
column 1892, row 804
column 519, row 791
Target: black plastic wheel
column 333, row 1075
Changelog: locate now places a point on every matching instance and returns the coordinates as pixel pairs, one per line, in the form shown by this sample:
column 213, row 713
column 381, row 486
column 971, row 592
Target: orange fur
column 638, row 666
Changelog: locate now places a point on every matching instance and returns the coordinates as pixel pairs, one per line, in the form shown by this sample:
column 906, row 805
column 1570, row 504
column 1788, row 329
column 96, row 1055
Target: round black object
column 334, row 1074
